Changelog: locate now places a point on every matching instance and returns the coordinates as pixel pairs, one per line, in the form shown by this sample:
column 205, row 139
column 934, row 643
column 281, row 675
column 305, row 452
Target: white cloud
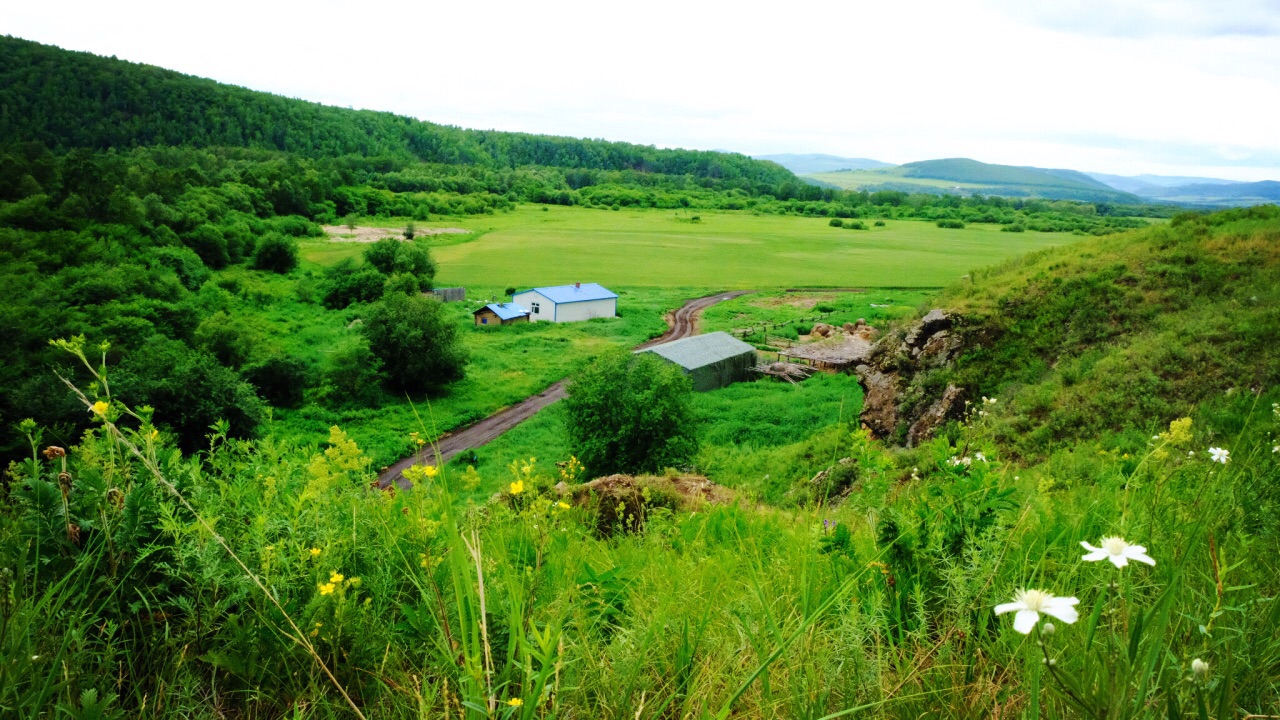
column 1056, row 85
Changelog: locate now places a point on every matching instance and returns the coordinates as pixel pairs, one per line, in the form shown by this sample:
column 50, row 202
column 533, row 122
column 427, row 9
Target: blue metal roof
column 570, row 293
column 505, row 311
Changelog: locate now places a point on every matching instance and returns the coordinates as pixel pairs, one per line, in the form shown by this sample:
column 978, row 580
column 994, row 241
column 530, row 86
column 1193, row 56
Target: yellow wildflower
column 431, row 471
column 336, row 577
column 517, row 487
column 154, row 433
column 563, row 505
column 515, row 702
column 327, row 588
column 100, row 408
column 315, row 552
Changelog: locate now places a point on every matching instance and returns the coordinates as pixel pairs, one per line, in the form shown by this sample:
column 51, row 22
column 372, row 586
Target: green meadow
column 550, row 245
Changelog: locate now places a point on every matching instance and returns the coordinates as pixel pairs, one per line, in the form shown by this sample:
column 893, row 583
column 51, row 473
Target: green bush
column 630, row 413
column 276, row 253
column 1014, row 228
column 855, row 225
column 346, row 283
column 416, row 341
column 836, row 222
column 950, row 224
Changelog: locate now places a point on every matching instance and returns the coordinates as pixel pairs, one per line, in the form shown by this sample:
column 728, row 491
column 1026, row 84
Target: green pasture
column 551, row 245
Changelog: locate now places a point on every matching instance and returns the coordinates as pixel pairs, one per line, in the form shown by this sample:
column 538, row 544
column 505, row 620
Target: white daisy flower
column 1219, row 455
column 1117, row 551
column 1030, row 603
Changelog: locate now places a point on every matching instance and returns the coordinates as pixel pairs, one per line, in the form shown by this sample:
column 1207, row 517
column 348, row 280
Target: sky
column 1172, row 87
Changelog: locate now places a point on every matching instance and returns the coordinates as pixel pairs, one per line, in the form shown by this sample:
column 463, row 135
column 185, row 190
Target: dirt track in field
column 683, row 323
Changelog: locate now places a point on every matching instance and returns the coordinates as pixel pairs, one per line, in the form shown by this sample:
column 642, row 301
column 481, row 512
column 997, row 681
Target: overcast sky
column 1185, row 87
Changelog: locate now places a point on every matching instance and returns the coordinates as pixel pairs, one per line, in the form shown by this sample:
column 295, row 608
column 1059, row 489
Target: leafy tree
column 276, row 252
column 402, row 283
column 416, row 342
column 630, row 413
column 189, row 390
column 232, row 340
column 390, row 256
column 279, row 379
column 382, row 255
column 410, row 231
column 346, row 283
column 353, row 374
column 210, row 244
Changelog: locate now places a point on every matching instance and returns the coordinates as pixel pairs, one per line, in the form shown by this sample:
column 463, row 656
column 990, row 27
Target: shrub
column 416, row 342
column 210, row 244
column 855, row 225
column 879, row 223
column 280, row 380
column 951, row 224
column 184, row 262
column 1016, row 227
column 630, row 413
column 276, row 253
column 347, row 283
column 189, row 390
column 402, row 283
column 836, row 222
column 353, row 374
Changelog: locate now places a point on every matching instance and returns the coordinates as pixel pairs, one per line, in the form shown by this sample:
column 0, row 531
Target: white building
column 568, row 303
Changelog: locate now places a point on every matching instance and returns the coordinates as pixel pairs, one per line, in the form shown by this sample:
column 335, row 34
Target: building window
column 535, row 308
column 484, row 321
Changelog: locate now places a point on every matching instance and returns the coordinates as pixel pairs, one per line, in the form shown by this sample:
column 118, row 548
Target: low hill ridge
column 67, row 100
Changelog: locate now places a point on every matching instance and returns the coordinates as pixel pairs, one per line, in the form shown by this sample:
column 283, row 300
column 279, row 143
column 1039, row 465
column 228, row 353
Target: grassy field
column 541, row 245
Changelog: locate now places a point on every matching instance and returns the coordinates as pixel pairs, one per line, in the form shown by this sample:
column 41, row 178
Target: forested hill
column 67, row 100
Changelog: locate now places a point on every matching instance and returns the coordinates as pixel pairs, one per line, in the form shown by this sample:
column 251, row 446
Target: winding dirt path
column 683, row 323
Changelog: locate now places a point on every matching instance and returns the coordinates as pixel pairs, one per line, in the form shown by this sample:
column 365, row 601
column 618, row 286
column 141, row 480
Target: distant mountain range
column 965, row 176
column 817, row 163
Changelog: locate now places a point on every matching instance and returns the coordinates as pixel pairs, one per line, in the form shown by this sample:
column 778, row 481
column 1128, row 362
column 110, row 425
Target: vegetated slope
column 1007, row 179
column 1122, row 332
column 970, row 177
column 804, row 164
column 67, row 99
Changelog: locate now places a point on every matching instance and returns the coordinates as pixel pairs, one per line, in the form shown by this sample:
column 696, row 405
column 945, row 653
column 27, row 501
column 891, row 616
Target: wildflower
column 431, row 471
column 336, row 577
column 1199, row 669
column 563, row 505
column 517, row 487
column 1275, row 448
column 515, row 702
column 327, row 588
column 315, row 552
column 1030, row 603
column 1117, row 551
column 1219, row 455
column 99, row 408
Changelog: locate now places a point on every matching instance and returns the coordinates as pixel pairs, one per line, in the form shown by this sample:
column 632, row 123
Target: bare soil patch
column 365, row 234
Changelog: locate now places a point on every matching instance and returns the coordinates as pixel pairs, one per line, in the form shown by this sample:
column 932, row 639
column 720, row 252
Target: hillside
column 818, row 163
column 970, row 177
column 1139, row 184
column 1124, row 332
column 67, row 99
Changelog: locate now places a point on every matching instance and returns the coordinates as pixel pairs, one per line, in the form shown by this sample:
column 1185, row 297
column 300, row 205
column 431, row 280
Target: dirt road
column 683, row 323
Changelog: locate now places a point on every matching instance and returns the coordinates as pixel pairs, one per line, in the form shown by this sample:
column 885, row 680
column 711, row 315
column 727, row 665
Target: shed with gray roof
column 711, row 361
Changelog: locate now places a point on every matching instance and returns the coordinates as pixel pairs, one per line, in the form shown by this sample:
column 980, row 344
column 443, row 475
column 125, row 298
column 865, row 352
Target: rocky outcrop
column 896, row 405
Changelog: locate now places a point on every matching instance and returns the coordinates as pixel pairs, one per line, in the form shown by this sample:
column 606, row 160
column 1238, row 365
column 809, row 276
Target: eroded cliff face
column 900, row 403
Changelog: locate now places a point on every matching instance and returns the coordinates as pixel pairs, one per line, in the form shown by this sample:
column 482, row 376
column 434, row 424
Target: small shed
column 500, row 314
column 568, row 303
column 712, row 361
column 453, row 294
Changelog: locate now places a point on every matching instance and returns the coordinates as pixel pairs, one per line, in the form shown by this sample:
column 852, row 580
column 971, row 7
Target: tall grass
column 121, row 602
